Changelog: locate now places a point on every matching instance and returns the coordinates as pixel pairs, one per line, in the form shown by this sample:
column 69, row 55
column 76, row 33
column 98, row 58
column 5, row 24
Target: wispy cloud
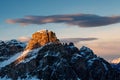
column 76, row 40
column 24, row 39
column 63, row 40
column 82, row 20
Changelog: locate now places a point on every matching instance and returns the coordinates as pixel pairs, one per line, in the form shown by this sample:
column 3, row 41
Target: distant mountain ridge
column 115, row 61
column 9, row 48
column 57, row 61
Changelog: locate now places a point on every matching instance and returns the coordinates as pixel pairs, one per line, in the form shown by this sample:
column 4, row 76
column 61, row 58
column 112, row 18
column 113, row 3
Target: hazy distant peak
column 115, row 61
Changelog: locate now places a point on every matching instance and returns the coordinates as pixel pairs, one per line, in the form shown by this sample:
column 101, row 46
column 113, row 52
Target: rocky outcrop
column 41, row 38
column 9, row 48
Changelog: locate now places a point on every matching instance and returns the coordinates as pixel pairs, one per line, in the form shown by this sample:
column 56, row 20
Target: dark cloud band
column 82, row 20
column 76, row 40
column 63, row 40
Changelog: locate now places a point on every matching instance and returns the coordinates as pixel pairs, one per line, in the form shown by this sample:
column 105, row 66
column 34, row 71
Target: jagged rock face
column 61, row 62
column 116, row 66
column 116, row 63
column 41, row 38
column 9, row 48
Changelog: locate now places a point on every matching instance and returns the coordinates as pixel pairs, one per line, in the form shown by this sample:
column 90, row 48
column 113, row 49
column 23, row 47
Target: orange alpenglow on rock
column 41, row 38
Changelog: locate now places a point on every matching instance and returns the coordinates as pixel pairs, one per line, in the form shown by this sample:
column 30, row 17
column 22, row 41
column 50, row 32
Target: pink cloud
column 81, row 20
column 24, row 39
column 10, row 21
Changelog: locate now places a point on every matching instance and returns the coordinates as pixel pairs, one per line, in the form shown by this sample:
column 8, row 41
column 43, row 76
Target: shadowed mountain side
column 48, row 59
column 56, row 61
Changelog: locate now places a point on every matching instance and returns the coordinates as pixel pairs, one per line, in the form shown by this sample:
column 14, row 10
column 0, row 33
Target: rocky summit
column 53, row 61
column 41, row 38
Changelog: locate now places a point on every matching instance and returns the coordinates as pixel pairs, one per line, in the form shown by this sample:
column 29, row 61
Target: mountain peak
column 41, row 38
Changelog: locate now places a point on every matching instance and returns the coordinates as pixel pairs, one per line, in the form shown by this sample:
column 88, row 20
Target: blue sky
column 20, row 8
column 13, row 9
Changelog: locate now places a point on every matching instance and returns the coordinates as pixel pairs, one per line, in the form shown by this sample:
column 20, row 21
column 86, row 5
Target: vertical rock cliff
column 41, row 38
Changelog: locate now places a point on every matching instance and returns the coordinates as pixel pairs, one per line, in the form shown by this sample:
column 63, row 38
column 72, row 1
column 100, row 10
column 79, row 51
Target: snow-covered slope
column 10, row 60
column 27, row 53
column 10, row 48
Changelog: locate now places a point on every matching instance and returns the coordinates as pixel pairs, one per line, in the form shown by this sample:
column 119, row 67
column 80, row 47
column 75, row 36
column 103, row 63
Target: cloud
column 82, row 20
column 24, row 39
column 10, row 21
column 76, row 40
column 63, row 40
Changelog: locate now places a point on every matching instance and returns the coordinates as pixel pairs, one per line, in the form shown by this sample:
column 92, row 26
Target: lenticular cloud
column 81, row 20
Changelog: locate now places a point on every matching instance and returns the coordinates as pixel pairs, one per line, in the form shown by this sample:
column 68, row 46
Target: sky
column 99, row 19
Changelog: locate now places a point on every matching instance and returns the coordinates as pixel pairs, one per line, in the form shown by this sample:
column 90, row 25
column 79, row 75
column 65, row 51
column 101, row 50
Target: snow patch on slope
column 5, row 78
column 33, row 78
column 105, row 66
column 32, row 54
column 91, row 61
column 10, row 60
